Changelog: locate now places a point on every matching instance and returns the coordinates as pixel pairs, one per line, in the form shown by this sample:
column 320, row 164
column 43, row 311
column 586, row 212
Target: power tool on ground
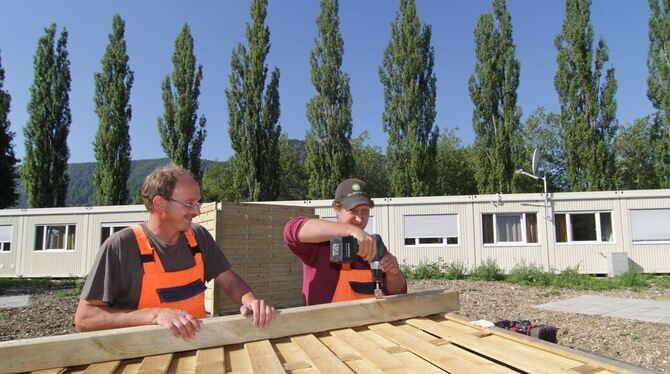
column 343, row 249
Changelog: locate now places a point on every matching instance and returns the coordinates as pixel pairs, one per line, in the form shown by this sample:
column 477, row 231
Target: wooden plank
column 117, row 344
column 319, row 355
column 50, row 371
column 155, row 364
column 263, row 358
column 291, row 357
column 236, row 359
column 183, row 362
column 371, row 352
column 102, row 368
column 442, row 357
column 603, row 362
column 210, row 360
column 409, row 358
column 521, row 357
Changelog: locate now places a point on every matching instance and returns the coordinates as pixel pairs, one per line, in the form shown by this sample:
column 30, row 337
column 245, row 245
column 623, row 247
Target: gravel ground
column 639, row 343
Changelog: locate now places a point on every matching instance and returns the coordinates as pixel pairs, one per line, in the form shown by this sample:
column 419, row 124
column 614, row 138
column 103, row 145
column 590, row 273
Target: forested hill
column 81, row 192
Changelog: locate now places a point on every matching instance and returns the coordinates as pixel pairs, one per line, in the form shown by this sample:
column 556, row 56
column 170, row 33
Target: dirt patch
column 640, row 343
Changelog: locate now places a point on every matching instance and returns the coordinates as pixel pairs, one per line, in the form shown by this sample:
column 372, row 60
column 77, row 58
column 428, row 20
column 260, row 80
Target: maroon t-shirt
column 319, row 276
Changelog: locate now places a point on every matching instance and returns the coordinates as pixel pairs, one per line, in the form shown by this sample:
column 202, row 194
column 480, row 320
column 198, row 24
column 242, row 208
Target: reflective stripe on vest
column 354, row 284
column 181, row 289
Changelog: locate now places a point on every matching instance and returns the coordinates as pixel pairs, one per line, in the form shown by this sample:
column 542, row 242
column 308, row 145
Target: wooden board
column 110, row 345
column 439, row 343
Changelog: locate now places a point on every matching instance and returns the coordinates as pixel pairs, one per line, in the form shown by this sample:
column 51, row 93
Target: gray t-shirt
column 116, row 275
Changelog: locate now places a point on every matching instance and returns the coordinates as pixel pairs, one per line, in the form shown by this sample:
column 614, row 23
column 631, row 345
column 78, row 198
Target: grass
column 64, row 287
column 535, row 276
column 435, row 270
column 73, row 291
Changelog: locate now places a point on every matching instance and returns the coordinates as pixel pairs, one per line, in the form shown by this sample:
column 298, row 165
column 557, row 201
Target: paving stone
column 636, row 309
column 14, row 301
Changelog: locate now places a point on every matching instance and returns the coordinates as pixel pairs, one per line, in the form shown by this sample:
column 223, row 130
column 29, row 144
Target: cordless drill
column 345, row 248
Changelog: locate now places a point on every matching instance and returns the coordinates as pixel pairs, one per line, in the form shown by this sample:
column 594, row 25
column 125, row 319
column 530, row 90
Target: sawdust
column 639, row 343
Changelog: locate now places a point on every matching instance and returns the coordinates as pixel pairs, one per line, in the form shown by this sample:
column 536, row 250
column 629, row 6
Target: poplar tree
column 658, row 83
column 493, row 87
column 112, row 142
column 329, row 151
column 46, row 151
column 180, row 136
column 8, row 169
column 409, row 104
column 253, row 113
column 588, row 106
column 634, row 158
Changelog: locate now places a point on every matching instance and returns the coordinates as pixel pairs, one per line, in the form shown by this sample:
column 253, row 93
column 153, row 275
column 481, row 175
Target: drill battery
column 343, row 249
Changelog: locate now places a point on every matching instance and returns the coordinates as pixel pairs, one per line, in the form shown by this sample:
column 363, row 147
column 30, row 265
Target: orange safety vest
column 181, row 289
column 353, row 284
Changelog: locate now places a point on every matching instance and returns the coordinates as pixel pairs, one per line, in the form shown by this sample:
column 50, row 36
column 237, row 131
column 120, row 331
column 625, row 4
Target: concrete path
column 14, row 301
column 637, row 309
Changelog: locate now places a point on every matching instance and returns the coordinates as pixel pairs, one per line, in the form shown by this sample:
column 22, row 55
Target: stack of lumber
column 405, row 333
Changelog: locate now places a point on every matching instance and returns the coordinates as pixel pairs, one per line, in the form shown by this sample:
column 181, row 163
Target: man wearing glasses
column 155, row 273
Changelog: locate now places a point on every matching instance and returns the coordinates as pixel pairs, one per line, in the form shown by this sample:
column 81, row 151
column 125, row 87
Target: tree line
column 583, row 146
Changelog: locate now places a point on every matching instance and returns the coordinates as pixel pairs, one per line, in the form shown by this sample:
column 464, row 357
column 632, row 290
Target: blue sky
column 217, row 26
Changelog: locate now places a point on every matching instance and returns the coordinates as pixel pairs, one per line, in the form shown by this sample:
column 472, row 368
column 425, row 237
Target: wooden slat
column 49, row 371
column 102, row 368
column 109, row 345
column 263, row 358
column 183, row 362
column 155, row 364
column 290, row 355
column 319, row 355
column 521, row 357
column 236, row 359
column 210, row 360
column 442, row 357
column 371, row 352
column 604, row 363
column 410, row 359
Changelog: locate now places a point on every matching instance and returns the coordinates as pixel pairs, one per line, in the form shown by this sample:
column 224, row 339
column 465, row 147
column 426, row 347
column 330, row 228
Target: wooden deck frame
column 118, row 344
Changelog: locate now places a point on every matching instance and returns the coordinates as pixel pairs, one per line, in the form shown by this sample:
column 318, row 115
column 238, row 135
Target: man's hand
column 263, row 312
column 367, row 245
column 389, row 265
column 180, row 323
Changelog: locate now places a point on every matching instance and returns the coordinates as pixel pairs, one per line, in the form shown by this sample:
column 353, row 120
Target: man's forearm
column 318, row 230
column 396, row 284
column 91, row 317
column 235, row 287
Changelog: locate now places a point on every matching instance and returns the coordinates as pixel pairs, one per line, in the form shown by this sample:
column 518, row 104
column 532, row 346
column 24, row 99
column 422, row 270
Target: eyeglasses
column 191, row 206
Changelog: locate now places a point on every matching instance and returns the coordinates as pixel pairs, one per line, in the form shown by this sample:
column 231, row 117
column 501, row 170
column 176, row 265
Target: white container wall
column 564, row 230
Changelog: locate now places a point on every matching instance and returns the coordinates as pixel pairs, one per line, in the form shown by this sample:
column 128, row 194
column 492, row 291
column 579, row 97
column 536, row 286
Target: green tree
column 455, row 173
column 371, row 166
column 294, row 174
column 634, row 158
column 658, row 83
column 542, row 131
column 253, row 113
column 409, row 104
column 493, row 87
column 112, row 105
column 181, row 138
column 46, row 152
column 329, row 152
column 217, row 184
column 8, row 169
column 588, row 106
